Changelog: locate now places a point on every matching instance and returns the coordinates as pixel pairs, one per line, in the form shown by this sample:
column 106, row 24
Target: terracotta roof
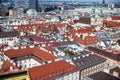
column 73, row 30
column 44, row 40
column 59, row 24
column 44, row 54
column 82, row 30
column 43, row 24
column 115, row 17
column 48, row 48
column 85, row 30
column 86, row 40
column 36, row 51
column 52, row 70
column 6, row 66
column 111, row 23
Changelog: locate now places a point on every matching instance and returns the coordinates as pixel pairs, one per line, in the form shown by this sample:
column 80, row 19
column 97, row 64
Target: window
column 52, row 73
column 68, row 69
column 49, row 75
column 45, row 76
column 40, row 77
column 56, row 72
column 64, row 70
column 36, row 78
column 61, row 71
column 29, row 65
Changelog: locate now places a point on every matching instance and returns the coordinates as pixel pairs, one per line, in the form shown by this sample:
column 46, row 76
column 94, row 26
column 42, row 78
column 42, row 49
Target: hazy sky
column 111, row 1
column 107, row 1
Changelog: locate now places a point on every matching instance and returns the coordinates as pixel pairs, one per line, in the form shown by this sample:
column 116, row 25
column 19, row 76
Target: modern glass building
column 33, row 4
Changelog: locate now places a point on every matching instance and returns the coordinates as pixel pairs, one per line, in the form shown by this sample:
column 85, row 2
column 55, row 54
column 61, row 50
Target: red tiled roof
column 43, row 24
column 86, row 40
column 36, row 51
column 44, row 54
column 51, row 70
column 48, row 48
column 1, row 71
column 85, row 30
column 59, row 24
column 6, row 66
column 81, row 30
column 115, row 17
column 44, row 40
column 49, row 26
column 73, row 30
column 111, row 23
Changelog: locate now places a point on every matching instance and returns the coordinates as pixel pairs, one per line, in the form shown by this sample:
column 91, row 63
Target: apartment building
column 112, row 56
column 28, row 56
column 89, row 64
column 8, row 37
column 58, row 70
column 101, row 76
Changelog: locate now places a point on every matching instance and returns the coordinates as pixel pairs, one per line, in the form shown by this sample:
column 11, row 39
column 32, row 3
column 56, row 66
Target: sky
column 107, row 1
column 110, row 1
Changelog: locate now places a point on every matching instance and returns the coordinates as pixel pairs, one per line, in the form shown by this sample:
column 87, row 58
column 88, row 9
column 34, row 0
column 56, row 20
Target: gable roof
column 6, row 66
column 26, row 51
column 51, row 70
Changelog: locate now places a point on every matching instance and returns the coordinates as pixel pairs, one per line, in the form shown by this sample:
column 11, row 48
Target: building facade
column 89, row 65
column 8, row 38
column 28, row 56
column 33, row 4
column 101, row 76
column 54, row 71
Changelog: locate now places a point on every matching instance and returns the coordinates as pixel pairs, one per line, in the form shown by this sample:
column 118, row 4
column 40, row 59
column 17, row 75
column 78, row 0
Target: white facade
column 92, row 70
column 70, row 76
column 27, row 63
column 31, row 12
column 1, row 60
column 8, row 40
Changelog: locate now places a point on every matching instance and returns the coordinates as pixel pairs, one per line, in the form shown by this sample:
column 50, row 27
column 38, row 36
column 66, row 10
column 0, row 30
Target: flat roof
column 102, row 76
column 88, row 61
